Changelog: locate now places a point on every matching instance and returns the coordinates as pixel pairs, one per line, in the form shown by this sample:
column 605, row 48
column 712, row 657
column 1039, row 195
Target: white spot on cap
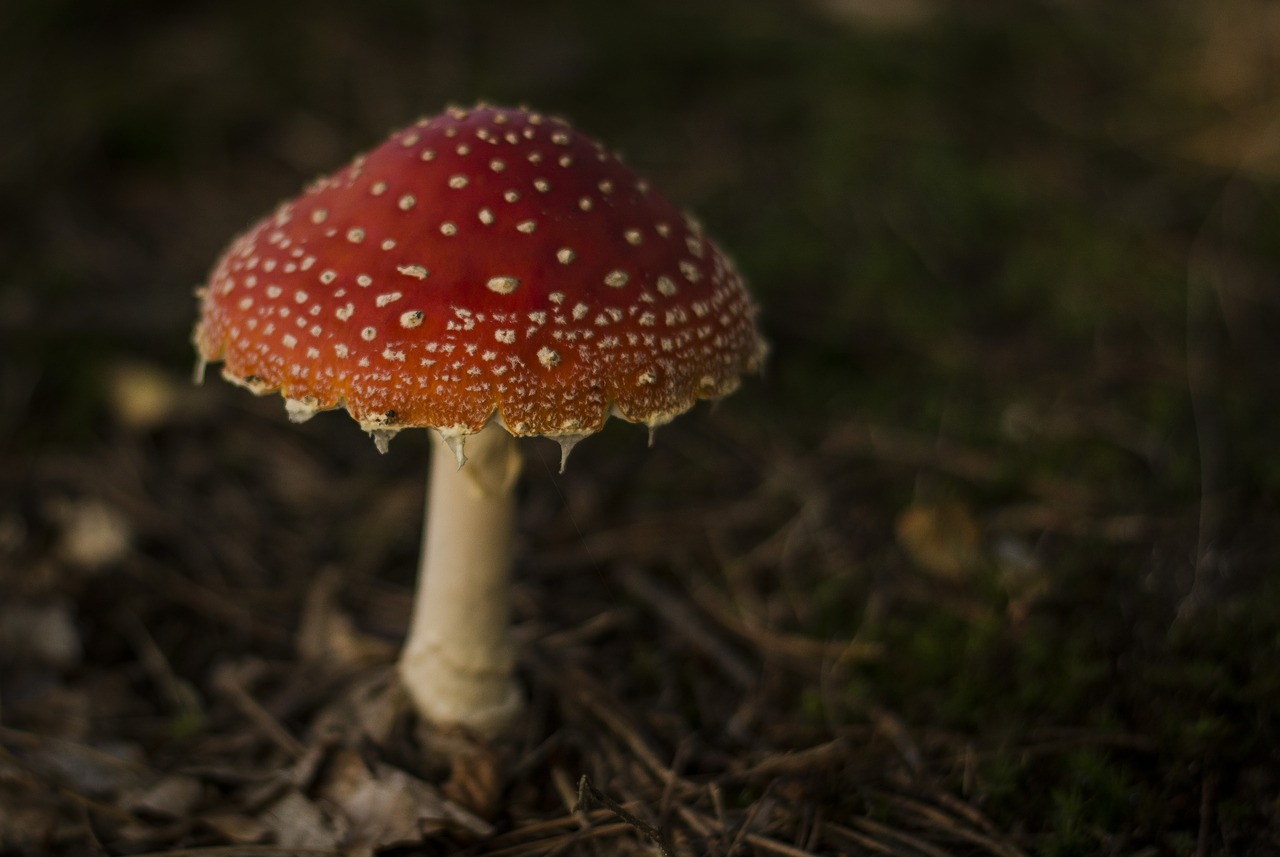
column 412, row 318
column 428, row 154
column 416, row 271
column 289, row 340
column 527, row 226
column 388, row 298
column 345, row 312
column 485, row 215
column 300, row 296
column 633, row 236
column 647, row 377
column 617, row 279
column 547, row 357
column 497, row 165
column 580, row 311
column 506, row 337
column 378, row 189
column 340, row 350
column 328, row 277
column 393, row 355
column 541, row 185
column 458, row 181
column 364, row 281
column 274, row 291
column 245, row 303
column 448, row 228
column 388, row 244
column 585, row 203
column 605, row 186
column 663, row 229
column 369, row 334
column 690, row 271
column 565, row 255
column 319, row 215
column 407, row 202
column 666, row 285
column 503, row 285
column 511, row 195
column 560, row 138
column 356, row 235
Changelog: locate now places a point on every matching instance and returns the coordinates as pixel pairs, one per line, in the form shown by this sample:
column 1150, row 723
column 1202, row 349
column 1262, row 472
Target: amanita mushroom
column 487, row 273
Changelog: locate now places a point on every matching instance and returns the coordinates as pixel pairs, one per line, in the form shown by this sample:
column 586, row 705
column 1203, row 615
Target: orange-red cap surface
column 482, row 260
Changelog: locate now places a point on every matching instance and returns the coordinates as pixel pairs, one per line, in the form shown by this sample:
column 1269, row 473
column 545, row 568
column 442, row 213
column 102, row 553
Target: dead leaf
column 145, row 398
column 39, row 633
column 383, row 806
column 475, row 781
column 235, row 827
column 174, row 796
column 942, row 538
column 368, row 710
column 297, row 822
column 326, row 633
column 94, row 534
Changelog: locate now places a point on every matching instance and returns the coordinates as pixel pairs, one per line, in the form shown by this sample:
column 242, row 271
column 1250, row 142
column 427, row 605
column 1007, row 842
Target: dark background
column 1017, row 439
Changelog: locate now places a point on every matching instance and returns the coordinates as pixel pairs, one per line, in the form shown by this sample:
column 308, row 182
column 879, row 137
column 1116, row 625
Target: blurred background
column 1035, row 203
column 1018, row 262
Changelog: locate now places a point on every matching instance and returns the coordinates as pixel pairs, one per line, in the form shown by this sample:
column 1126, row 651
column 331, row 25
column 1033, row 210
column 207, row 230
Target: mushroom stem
column 458, row 659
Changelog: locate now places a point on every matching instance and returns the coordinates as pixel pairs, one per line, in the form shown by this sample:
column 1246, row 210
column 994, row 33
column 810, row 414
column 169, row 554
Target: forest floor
column 984, row 563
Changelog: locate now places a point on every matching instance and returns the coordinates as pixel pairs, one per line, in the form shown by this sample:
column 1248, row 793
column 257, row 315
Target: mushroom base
column 458, row 661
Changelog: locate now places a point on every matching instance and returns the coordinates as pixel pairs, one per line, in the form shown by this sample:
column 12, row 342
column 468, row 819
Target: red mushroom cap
column 482, row 260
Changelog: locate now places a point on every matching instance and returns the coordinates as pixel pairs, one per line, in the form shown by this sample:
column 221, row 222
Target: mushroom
column 489, row 273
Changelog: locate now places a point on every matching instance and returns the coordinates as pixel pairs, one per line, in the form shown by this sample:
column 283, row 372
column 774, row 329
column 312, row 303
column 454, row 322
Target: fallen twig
column 587, row 791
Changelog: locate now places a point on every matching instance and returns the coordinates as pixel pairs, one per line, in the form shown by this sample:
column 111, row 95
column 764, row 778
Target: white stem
column 458, row 659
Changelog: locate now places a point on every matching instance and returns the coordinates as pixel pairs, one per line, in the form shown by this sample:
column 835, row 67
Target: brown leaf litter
column 184, row 681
